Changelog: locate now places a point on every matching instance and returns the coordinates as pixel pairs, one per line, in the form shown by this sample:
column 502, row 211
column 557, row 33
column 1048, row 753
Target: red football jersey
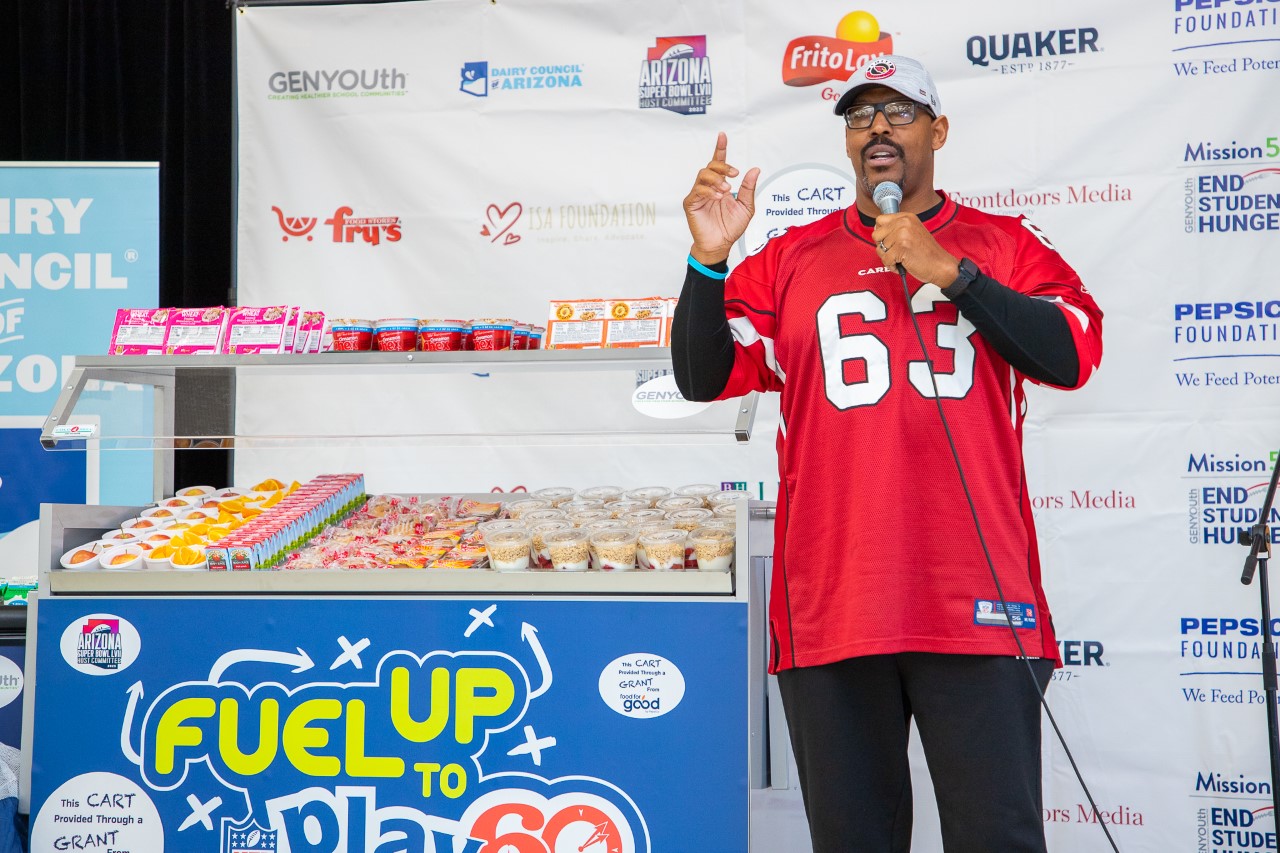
column 876, row 551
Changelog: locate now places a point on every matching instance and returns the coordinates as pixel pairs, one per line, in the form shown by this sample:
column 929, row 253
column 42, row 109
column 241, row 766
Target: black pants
column 979, row 722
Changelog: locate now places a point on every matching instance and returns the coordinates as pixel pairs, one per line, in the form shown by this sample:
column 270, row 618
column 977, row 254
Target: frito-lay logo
column 811, row 60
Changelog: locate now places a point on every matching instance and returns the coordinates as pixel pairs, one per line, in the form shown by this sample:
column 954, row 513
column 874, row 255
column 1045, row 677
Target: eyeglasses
column 896, row 113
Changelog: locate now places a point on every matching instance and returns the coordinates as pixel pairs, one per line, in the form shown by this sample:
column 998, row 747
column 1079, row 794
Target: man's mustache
column 881, row 140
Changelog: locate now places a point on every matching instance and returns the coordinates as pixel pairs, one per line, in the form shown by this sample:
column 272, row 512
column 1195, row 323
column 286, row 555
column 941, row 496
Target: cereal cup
column 353, row 335
column 509, row 550
column 538, row 546
column 569, row 550
column 396, row 334
column 614, row 550
column 664, row 549
column 440, row 335
column 713, row 548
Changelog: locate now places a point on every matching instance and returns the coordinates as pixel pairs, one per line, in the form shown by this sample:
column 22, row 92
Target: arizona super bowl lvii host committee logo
column 810, row 60
column 676, row 75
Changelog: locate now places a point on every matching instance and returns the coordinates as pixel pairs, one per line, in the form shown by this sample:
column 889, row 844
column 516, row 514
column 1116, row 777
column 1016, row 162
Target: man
column 883, row 605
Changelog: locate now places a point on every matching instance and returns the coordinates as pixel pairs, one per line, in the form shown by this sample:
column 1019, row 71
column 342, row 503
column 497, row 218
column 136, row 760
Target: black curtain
column 140, row 80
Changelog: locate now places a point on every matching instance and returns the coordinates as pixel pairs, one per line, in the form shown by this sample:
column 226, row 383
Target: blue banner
column 77, row 242
column 376, row 726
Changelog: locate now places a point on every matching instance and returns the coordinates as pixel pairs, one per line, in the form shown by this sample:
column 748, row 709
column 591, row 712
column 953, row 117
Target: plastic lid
column 666, row 535
column 696, row 490
column 649, row 493
column 564, row 537
column 697, row 514
column 711, row 534
column 489, row 529
column 605, row 524
column 613, row 537
column 550, row 525
column 581, row 517
column 600, row 493
column 555, row 493
column 527, row 505
column 579, row 504
column 642, row 516
column 672, row 504
column 507, row 537
column 727, row 496
column 539, row 515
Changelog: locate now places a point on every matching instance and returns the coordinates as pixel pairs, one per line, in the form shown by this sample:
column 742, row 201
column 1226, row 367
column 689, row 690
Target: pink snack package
column 291, row 330
column 139, row 331
column 256, row 330
column 196, row 330
column 310, row 331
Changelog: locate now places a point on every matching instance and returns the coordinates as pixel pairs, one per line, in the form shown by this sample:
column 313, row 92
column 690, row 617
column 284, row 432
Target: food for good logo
column 676, row 75
column 478, row 79
column 1207, row 24
column 321, row 83
column 810, row 60
column 345, row 227
column 1231, row 500
column 1018, row 53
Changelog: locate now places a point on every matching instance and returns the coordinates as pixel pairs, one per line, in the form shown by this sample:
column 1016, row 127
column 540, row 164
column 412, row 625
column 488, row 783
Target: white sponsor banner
column 467, row 160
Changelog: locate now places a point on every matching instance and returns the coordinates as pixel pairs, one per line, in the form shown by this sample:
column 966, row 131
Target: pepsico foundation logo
column 811, row 60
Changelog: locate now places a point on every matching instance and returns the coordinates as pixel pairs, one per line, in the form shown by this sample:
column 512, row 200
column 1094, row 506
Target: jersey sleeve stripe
column 750, row 307
column 745, row 334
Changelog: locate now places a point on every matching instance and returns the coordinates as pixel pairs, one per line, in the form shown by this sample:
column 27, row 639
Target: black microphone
column 888, row 196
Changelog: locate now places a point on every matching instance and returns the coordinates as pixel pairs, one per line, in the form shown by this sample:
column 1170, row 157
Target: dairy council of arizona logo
column 676, row 75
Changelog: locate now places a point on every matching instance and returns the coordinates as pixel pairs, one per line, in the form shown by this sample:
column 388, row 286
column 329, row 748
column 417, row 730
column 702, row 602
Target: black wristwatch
column 964, row 277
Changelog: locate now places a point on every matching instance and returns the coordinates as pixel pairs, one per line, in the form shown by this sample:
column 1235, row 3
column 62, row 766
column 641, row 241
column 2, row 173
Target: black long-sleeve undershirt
column 1029, row 333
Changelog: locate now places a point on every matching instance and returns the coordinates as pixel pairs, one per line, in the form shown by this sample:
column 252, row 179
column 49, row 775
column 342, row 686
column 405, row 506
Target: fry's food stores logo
column 676, row 75
column 810, row 60
column 345, row 228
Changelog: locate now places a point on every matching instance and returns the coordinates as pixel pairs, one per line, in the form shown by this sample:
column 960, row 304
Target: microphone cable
column 977, row 525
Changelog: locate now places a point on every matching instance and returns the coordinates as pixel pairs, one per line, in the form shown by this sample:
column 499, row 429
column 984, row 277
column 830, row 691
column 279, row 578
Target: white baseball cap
column 901, row 74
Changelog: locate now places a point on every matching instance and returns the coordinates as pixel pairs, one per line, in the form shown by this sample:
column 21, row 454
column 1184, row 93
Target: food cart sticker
column 100, row 644
column 10, row 681
column 660, row 398
column 642, row 685
column 98, row 811
column 75, row 431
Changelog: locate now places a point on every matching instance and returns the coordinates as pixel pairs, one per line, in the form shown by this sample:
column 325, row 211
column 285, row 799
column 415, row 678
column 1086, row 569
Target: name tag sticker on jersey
column 993, row 613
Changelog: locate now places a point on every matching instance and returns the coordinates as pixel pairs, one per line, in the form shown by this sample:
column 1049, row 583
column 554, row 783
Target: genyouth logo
column 1014, row 53
column 810, row 60
column 676, row 75
column 1218, row 511
column 306, row 85
column 480, row 78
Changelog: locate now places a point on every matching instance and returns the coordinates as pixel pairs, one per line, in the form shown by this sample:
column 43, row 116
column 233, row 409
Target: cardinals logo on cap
column 880, row 69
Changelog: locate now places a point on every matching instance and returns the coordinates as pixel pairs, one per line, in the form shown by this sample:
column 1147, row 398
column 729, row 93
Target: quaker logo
column 246, row 837
column 1226, row 344
column 321, row 83
column 1232, row 203
column 1017, row 53
column 480, row 79
column 1082, row 653
column 676, row 75
column 1220, row 24
column 810, row 60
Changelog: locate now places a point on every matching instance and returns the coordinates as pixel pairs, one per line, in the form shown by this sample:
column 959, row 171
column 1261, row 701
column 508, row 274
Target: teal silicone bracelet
column 707, row 271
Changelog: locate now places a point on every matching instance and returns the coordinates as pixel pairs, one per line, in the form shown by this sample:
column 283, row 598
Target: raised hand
column 716, row 218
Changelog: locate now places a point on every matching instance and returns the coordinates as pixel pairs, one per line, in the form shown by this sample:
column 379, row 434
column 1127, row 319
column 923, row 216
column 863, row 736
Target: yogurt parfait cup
column 569, row 549
column 623, row 506
column 508, row 550
column 642, row 559
column 713, row 548
column 649, row 494
column 614, row 550
column 701, row 491
column 580, row 504
column 673, row 504
column 664, row 549
column 604, row 494
column 728, row 496
column 555, row 494
column 537, row 545
column 581, row 517
column 516, row 509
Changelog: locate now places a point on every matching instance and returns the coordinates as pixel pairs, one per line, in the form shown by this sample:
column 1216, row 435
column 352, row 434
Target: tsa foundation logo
column 676, row 75
column 810, row 60
column 480, row 79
